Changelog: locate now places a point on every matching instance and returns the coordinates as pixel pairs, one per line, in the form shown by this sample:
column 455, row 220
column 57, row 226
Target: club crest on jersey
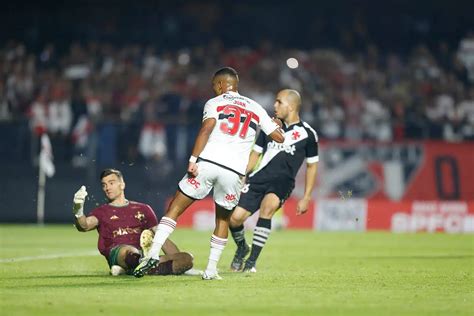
column 295, row 135
column 114, row 217
column 290, row 149
column 140, row 216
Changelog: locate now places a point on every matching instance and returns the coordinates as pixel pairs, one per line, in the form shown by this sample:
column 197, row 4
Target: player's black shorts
column 253, row 193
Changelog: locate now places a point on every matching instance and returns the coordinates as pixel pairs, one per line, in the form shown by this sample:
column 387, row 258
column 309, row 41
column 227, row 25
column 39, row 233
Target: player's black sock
column 238, row 234
column 260, row 236
column 132, row 260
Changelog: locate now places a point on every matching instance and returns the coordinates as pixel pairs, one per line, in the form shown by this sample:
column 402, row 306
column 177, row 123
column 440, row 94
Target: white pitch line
column 51, row 256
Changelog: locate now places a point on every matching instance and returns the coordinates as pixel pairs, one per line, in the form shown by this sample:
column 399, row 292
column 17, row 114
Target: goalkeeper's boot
column 145, row 266
column 249, row 267
column 238, row 262
column 146, row 240
column 211, row 276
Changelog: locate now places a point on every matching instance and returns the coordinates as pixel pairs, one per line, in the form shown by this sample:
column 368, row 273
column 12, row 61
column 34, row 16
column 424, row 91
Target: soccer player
column 272, row 182
column 125, row 227
column 218, row 161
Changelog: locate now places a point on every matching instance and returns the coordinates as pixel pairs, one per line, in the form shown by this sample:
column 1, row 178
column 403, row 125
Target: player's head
column 287, row 103
column 112, row 184
column 225, row 79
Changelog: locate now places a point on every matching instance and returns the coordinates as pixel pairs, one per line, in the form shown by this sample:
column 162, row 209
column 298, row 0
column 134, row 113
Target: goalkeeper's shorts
column 113, row 256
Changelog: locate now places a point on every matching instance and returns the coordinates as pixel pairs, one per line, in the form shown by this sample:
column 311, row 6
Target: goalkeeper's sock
column 260, row 236
column 165, row 228
column 238, row 234
column 132, row 260
column 217, row 246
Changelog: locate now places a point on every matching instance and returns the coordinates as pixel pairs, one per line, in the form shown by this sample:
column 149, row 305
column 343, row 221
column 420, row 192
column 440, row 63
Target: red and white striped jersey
column 237, row 118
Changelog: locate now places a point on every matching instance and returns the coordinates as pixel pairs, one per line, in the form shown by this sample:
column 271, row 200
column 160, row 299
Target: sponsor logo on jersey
column 195, row 183
column 230, row 197
column 290, row 149
column 125, row 231
column 140, row 216
column 114, row 217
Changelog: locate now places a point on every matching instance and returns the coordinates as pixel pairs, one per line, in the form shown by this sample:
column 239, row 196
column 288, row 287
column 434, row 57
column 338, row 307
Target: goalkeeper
column 126, row 230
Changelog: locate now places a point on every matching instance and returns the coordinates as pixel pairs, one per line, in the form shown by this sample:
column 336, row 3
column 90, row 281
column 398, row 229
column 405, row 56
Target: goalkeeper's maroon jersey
column 122, row 225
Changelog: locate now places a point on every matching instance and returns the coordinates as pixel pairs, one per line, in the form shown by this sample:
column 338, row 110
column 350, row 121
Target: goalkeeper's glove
column 79, row 199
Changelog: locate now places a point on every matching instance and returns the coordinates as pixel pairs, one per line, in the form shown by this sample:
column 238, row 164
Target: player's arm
column 272, row 127
column 86, row 223
column 201, row 141
column 310, row 180
column 253, row 159
column 278, row 135
column 169, row 247
column 83, row 223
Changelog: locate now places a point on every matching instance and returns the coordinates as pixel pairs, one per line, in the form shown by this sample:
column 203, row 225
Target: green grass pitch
column 56, row 272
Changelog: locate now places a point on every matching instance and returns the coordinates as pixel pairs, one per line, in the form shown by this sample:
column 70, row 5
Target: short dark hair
column 109, row 171
column 227, row 71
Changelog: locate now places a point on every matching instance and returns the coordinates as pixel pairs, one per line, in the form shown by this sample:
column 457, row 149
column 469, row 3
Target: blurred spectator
column 466, row 54
column 355, row 85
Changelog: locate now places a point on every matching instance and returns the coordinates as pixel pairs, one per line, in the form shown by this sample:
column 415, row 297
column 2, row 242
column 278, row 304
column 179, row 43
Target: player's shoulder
column 309, row 129
column 250, row 101
column 101, row 208
column 137, row 205
column 238, row 99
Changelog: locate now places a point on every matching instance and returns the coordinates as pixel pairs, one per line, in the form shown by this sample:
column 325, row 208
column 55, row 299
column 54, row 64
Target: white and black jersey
column 282, row 161
column 237, row 118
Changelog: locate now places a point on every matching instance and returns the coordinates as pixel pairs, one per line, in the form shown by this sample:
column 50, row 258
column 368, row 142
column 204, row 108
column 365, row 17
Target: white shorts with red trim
column 226, row 183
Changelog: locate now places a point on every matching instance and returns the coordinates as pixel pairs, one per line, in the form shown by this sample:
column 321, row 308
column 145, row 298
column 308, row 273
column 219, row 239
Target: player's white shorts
column 227, row 184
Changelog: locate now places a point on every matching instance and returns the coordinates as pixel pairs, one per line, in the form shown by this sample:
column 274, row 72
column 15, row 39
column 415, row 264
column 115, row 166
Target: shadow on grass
column 71, row 281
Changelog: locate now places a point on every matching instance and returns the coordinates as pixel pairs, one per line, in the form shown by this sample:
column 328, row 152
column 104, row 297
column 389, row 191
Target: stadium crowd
column 146, row 99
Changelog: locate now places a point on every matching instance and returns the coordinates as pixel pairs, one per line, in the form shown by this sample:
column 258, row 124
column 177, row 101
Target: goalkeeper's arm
column 83, row 223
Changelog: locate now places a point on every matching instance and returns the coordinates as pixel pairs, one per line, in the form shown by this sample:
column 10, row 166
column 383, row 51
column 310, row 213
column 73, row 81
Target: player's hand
column 193, row 169
column 79, row 199
column 302, row 206
column 277, row 121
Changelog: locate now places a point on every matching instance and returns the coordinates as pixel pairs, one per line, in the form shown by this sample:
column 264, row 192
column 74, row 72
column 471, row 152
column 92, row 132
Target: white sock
column 217, row 246
column 165, row 228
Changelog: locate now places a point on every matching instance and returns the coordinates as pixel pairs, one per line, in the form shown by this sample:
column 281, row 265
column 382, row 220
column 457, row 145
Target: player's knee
column 188, row 260
column 128, row 257
column 267, row 212
column 235, row 221
column 182, row 262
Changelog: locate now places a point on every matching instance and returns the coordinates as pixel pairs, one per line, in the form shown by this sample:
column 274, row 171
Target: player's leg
column 249, row 203
column 123, row 258
column 227, row 187
column 270, row 204
column 236, row 226
column 176, row 263
column 190, row 189
column 167, row 223
column 218, row 242
column 165, row 228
